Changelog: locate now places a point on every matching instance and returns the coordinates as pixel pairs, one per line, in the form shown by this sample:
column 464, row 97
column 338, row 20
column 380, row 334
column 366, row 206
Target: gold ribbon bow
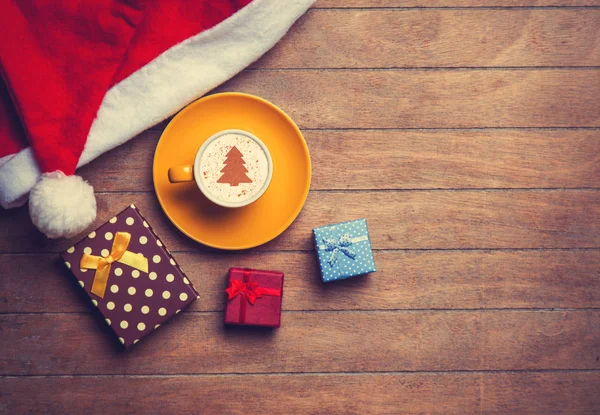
column 118, row 253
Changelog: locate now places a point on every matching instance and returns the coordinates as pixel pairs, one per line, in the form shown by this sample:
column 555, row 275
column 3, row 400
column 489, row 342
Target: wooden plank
column 432, row 393
column 430, row 159
column 307, row 342
column 541, row 393
column 429, row 98
column 451, row 3
column 439, row 38
column 404, row 280
column 397, row 220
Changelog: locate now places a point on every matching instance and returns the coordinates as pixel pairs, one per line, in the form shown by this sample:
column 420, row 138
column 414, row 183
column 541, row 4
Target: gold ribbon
column 118, row 253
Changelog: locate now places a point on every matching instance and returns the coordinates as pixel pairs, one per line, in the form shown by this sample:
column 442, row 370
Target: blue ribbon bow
column 335, row 246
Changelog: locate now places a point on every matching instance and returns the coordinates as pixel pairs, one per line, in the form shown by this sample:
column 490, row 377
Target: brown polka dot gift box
column 130, row 276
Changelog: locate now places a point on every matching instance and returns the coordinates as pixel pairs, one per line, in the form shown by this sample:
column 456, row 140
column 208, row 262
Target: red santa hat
column 82, row 77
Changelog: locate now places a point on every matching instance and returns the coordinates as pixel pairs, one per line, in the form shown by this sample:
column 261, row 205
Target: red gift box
column 254, row 297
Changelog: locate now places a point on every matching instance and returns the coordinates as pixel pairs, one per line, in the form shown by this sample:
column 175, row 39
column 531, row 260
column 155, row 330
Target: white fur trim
column 175, row 78
column 62, row 206
column 18, row 174
column 5, row 159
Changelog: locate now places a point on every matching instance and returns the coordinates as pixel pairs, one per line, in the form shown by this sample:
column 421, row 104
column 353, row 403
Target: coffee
column 234, row 168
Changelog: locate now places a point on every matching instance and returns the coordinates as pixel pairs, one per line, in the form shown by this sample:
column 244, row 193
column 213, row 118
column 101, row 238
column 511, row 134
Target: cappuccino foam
column 233, row 168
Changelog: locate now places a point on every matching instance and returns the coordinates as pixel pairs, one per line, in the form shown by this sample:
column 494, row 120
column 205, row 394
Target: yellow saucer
column 233, row 228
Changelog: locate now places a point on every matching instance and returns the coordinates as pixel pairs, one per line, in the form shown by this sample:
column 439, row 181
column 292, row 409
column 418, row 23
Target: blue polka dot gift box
column 344, row 250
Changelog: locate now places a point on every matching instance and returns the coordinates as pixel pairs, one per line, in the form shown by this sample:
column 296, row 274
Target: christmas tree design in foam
column 234, row 171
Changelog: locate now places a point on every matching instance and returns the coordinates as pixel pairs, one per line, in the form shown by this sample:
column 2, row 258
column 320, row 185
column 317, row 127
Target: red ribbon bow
column 249, row 289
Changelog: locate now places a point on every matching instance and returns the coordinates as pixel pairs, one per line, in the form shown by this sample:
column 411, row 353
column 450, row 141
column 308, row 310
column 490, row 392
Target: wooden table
column 466, row 132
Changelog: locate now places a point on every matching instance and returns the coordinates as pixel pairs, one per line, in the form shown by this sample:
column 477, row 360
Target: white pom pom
column 62, row 206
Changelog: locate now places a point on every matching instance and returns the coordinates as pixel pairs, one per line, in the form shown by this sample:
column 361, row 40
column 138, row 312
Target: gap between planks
column 162, row 125
column 400, row 190
column 302, row 251
column 427, row 68
column 353, row 311
column 300, row 374
column 411, row 8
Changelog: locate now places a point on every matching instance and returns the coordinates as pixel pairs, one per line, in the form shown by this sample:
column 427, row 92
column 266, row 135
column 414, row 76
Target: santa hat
column 82, row 77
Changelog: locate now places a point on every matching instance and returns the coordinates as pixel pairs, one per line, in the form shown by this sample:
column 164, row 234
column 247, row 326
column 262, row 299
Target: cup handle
column 180, row 174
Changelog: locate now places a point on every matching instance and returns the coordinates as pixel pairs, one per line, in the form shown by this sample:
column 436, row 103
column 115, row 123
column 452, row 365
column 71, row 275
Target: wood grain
column 452, row 3
column 467, row 133
column 438, row 393
column 396, row 220
column 429, row 98
column 404, row 280
column 429, row 38
column 430, row 159
column 307, row 342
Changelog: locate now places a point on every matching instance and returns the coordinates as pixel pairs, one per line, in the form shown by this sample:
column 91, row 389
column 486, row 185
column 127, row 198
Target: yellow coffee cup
column 232, row 168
